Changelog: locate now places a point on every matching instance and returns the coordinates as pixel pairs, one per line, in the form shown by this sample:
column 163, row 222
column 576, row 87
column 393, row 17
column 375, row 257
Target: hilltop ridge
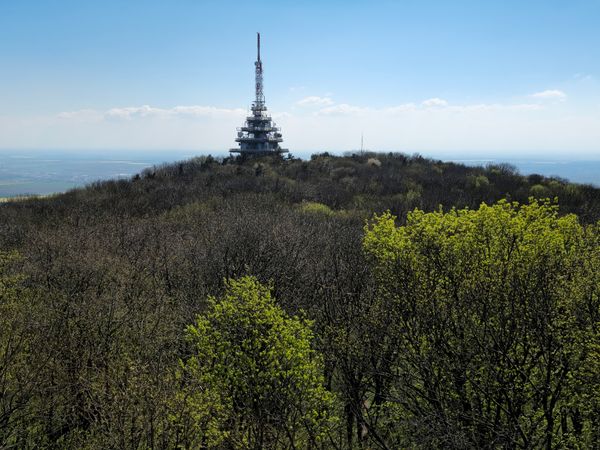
column 358, row 184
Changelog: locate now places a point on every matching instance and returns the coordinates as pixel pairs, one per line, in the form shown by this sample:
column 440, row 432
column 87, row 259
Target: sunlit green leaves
column 253, row 380
column 497, row 312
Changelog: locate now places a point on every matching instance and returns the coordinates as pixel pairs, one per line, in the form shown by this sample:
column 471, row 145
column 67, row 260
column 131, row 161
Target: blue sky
column 478, row 77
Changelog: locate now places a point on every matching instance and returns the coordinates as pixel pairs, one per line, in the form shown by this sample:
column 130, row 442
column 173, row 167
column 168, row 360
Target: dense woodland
column 358, row 302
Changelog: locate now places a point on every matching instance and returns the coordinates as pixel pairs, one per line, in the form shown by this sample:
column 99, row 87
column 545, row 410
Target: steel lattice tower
column 259, row 135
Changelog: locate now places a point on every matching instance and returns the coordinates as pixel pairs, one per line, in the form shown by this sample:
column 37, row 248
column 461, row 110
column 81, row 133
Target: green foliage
column 539, row 191
column 479, row 182
column 93, row 312
column 253, row 380
column 496, row 310
column 316, row 208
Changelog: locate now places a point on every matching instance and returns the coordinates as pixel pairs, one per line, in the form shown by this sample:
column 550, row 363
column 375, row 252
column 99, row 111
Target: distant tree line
column 367, row 301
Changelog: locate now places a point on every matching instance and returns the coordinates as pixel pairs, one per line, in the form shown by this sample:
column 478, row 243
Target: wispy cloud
column 81, row 115
column 147, row 111
column 281, row 115
column 133, row 112
column 433, row 106
column 399, row 109
column 583, row 77
column 435, row 103
column 342, row 109
column 325, row 105
column 418, row 126
column 205, row 111
column 314, row 100
column 496, row 107
column 550, row 94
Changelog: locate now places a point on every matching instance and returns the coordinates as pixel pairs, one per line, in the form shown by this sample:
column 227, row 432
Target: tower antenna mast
column 260, row 97
column 362, row 150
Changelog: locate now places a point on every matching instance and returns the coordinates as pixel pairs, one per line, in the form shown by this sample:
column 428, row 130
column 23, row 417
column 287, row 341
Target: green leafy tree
column 253, row 380
column 496, row 310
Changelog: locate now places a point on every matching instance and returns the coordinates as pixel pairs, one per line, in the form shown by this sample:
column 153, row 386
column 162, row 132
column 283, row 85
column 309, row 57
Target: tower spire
column 258, row 45
column 260, row 97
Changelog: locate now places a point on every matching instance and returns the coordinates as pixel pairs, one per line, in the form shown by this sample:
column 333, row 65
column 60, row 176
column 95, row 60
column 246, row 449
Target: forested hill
column 357, row 184
column 245, row 304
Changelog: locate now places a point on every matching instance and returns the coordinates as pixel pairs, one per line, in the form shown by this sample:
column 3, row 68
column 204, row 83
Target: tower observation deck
column 259, row 135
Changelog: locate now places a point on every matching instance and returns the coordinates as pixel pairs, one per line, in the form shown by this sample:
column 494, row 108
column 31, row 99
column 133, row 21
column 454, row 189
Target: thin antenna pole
column 260, row 98
column 361, row 143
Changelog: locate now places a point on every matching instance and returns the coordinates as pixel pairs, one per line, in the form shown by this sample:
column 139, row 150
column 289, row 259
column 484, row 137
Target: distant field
column 34, row 187
column 18, row 198
column 41, row 173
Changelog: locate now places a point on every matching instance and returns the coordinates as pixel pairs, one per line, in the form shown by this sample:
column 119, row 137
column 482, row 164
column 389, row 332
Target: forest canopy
column 367, row 301
column 496, row 313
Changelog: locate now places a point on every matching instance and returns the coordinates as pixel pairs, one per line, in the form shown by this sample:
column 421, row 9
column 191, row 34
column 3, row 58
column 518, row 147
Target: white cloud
column 130, row 113
column 205, row 111
column 431, row 105
column 133, row 112
column 392, row 110
column 314, row 100
column 144, row 111
column 435, row 102
column 281, row 115
column 419, row 126
column 81, row 115
column 550, row 94
column 342, row 110
column 496, row 107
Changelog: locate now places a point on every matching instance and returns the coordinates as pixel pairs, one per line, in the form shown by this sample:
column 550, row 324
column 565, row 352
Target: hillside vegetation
column 366, row 301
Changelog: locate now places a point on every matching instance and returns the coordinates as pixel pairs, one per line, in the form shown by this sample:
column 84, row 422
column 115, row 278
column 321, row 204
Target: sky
column 449, row 78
